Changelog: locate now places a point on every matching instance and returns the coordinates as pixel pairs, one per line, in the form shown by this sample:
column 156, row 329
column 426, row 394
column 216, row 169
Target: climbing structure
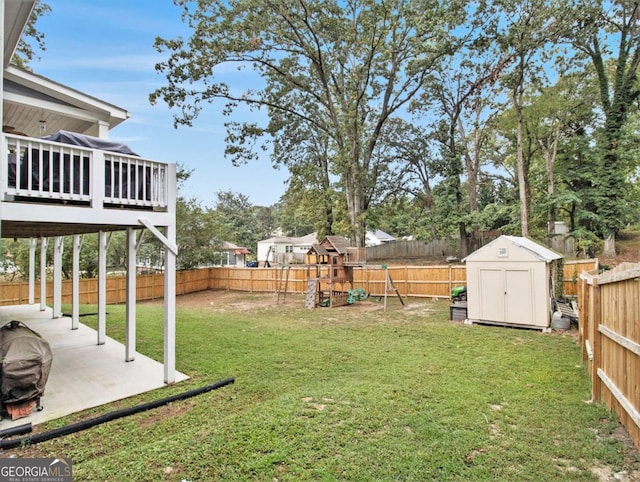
column 330, row 267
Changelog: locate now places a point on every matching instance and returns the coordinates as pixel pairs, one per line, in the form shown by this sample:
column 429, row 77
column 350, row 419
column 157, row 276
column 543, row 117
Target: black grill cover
column 26, row 362
column 67, row 137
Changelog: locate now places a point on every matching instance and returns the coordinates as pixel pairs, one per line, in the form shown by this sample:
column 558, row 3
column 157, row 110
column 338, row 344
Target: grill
column 26, row 362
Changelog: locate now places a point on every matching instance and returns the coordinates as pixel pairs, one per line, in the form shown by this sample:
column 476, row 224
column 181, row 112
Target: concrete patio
column 83, row 374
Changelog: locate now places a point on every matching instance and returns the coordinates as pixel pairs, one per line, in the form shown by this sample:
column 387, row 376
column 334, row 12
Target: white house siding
column 285, row 249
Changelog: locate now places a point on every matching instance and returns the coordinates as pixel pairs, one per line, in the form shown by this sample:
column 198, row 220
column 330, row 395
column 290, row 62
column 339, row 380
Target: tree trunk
column 472, row 166
column 355, row 204
column 464, row 246
column 522, row 174
column 609, row 246
column 550, row 153
column 551, row 222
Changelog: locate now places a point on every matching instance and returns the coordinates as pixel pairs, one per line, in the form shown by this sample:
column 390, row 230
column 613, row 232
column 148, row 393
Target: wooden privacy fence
column 148, row 287
column 572, row 270
column 609, row 310
column 413, row 281
column 418, row 281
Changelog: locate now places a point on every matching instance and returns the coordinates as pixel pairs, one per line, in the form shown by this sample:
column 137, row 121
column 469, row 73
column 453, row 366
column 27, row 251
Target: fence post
column 406, row 281
column 595, row 319
column 584, row 316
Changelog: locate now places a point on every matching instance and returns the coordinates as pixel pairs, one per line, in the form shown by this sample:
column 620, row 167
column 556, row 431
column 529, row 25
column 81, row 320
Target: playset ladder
column 283, row 284
column 312, row 290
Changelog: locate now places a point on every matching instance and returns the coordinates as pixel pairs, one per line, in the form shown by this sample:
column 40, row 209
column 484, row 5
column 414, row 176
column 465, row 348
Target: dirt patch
column 163, row 413
column 220, row 301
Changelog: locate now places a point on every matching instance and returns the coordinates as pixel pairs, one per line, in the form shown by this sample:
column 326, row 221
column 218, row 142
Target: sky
column 105, row 49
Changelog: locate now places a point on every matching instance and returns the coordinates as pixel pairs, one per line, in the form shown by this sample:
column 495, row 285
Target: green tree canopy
column 343, row 69
column 33, row 39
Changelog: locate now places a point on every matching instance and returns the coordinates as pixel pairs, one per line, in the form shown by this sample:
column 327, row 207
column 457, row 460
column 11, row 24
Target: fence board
column 571, row 273
column 609, row 307
column 413, row 281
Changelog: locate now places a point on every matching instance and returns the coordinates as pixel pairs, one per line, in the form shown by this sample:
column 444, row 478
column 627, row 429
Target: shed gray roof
column 541, row 252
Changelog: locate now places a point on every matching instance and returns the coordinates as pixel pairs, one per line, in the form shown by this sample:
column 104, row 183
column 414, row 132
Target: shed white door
column 506, row 296
column 518, row 297
column 492, row 295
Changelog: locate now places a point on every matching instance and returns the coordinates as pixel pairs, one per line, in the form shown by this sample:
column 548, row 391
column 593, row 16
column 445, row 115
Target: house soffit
column 12, row 87
column 38, row 91
column 16, row 16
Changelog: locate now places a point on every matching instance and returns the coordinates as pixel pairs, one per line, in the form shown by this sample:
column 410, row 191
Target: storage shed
column 510, row 282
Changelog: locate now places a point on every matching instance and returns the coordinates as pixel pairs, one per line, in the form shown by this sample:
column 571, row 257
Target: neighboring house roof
column 226, row 246
column 279, row 240
column 308, row 239
column 380, row 236
column 539, row 251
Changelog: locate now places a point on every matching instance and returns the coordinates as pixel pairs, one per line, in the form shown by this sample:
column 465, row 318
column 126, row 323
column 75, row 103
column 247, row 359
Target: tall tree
column 524, row 37
column 343, row 67
column 603, row 31
column 236, row 217
column 555, row 115
column 306, row 152
column 460, row 96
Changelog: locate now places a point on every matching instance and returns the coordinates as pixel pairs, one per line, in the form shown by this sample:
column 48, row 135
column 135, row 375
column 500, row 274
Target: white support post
column 33, row 244
column 170, row 307
column 103, row 129
column 130, row 335
column 43, row 274
column 75, row 282
column 58, row 247
column 102, row 287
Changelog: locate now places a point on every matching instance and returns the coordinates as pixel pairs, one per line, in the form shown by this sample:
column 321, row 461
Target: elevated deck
column 49, row 188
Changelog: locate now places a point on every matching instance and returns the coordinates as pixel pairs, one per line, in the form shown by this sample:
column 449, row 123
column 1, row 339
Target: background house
column 230, row 254
column 377, row 237
column 285, row 249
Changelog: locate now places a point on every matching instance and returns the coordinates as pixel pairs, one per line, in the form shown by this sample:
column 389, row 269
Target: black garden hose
column 107, row 417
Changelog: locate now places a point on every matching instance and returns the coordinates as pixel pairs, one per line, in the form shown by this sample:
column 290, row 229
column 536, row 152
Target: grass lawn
column 352, row 393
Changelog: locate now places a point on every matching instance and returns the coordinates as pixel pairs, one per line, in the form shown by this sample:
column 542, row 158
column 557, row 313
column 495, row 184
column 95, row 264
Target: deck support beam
column 75, row 282
column 130, row 328
column 170, row 253
column 170, row 306
column 58, row 247
column 43, row 274
column 33, row 244
column 103, row 245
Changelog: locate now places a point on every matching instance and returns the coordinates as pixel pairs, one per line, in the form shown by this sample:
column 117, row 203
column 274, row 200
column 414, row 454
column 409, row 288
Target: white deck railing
column 38, row 170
